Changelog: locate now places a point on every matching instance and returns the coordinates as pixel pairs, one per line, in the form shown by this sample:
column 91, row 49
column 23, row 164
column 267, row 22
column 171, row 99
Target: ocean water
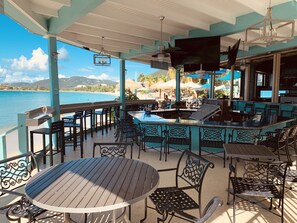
column 14, row 102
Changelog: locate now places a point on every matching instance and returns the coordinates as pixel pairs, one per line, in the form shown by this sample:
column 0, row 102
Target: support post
column 22, row 134
column 3, row 149
column 54, row 76
column 212, row 86
column 122, row 83
column 247, row 81
column 177, row 89
column 231, row 83
column 276, row 77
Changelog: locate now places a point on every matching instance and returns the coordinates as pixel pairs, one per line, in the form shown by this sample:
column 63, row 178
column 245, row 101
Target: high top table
column 92, row 185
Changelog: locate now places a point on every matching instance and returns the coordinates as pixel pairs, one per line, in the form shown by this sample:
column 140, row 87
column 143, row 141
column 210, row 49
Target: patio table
column 92, row 185
column 248, row 151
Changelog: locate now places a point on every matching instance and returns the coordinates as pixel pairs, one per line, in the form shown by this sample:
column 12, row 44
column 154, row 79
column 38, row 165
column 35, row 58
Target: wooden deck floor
column 215, row 184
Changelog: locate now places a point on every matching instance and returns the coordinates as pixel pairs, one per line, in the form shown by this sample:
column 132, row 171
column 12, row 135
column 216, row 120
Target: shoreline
column 72, row 91
column 9, row 120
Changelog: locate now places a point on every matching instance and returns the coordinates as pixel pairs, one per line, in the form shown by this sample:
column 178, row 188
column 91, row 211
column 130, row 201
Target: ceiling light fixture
column 269, row 30
column 161, row 55
column 102, row 58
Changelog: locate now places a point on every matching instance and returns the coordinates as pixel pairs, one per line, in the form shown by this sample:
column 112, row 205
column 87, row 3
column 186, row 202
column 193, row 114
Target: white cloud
column 63, row 54
column 3, row 71
column 103, row 76
column 61, row 76
column 19, row 76
column 87, row 69
column 38, row 62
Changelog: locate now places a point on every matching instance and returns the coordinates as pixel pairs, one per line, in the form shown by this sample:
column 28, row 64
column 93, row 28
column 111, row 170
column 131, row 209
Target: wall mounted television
column 196, row 51
column 268, row 93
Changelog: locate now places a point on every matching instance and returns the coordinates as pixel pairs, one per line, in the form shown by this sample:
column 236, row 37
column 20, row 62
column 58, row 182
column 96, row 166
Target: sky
column 24, row 58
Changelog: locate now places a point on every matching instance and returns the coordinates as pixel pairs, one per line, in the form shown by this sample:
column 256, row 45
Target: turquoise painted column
column 22, row 134
column 122, row 83
column 54, row 76
column 212, row 86
column 177, row 89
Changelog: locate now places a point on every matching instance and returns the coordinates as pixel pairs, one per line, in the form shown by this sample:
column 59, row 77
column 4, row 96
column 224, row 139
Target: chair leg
column 234, row 208
column 101, row 122
column 85, row 126
column 74, row 137
column 62, row 146
column 51, row 150
column 224, row 159
column 44, row 148
column 91, row 124
column 106, row 122
column 110, row 113
column 81, row 142
column 95, row 124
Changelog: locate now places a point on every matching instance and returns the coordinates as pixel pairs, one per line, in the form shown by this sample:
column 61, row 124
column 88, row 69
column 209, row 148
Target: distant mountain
column 159, row 73
column 71, row 82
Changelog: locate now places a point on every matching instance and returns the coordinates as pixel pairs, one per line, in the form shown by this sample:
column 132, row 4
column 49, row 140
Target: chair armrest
column 165, row 170
column 189, row 217
column 12, row 192
column 16, row 202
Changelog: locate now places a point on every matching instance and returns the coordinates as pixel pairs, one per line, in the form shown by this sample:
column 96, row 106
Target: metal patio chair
column 260, row 183
column 246, row 136
column 278, row 141
column 189, row 176
column 178, row 138
column 14, row 173
column 208, row 211
column 153, row 137
column 211, row 140
column 113, row 149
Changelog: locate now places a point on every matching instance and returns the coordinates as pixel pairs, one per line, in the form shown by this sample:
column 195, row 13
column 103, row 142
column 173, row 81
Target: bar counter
column 265, row 124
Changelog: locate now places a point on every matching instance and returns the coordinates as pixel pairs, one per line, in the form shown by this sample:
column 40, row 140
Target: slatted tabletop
column 92, row 185
column 248, row 151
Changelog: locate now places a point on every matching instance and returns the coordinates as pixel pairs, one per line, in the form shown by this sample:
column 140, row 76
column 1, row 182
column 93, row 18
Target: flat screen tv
column 232, row 54
column 268, row 93
column 196, row 51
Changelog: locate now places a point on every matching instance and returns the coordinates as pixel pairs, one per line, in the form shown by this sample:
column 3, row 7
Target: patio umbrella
column 227, row 77
column 192, row 85
column 221, row 87
column 203, row 87
column 130, row 84
column 168, row 85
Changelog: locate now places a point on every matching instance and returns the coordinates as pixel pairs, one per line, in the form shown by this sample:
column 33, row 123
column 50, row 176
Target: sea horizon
column 17, row 101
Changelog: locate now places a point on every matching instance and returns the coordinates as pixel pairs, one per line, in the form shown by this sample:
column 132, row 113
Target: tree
column 129, row 96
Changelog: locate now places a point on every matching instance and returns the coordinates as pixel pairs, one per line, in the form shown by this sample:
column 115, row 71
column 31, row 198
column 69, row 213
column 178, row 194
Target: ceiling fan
column 161, row 54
